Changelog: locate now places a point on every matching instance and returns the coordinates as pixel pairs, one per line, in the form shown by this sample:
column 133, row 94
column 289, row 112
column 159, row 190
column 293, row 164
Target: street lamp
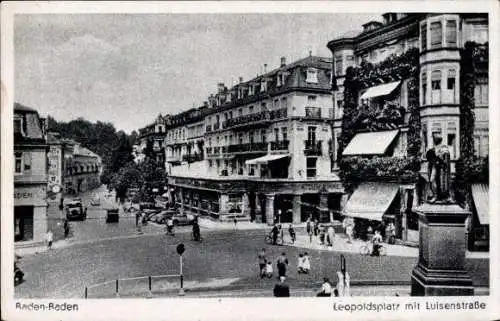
column 180, row 250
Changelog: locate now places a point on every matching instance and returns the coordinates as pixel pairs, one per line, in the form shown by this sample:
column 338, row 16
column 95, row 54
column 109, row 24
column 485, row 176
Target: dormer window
column 18, row 126
column 312, row 76
column 250, row 90
column 263, row 85
column 279, row 80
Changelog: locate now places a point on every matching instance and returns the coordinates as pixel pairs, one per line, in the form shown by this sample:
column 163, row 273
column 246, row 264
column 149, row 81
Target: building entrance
column 23, row 223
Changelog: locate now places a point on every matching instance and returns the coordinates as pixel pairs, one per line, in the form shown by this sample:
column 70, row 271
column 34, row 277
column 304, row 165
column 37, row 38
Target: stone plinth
column 441, row 264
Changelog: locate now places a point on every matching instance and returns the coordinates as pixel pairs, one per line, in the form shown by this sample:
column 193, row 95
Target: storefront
column 30, row 213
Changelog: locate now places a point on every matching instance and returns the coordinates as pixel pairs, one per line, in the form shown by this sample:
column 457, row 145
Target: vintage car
column 75, row 210
column 112, row 215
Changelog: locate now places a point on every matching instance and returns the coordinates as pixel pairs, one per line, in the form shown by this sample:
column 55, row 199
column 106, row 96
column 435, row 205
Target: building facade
column 71, row 168
column 30, row 176
column 259, row 150
column 408, row 62
column 151, row 141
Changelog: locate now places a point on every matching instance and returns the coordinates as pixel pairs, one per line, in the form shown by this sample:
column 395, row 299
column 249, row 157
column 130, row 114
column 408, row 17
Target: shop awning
column 481, row 201
column 371, row 200
column 372, row 143
column 380, row 90
column 264, row 159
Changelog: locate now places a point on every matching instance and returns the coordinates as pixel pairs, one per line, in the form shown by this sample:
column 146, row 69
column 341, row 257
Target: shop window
column 436, row 30
column 18, row 162
column 451, row 33
column 338, row 65
column 311, row 166
column 423, row 37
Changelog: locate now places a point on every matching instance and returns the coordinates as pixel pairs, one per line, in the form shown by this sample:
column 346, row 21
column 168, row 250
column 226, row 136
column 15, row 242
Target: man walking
column 282, row 265
column 292, row 233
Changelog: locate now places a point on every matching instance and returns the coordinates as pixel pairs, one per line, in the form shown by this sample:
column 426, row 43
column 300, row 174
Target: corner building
column 260, row 150
column 408, row 60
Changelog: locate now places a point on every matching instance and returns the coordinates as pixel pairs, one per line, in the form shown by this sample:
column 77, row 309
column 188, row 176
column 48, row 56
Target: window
column 250, row 110
column 312, row 76
column 251, row 136
column 276, row 134
column 481, row 94
column 451, row 143
column 263, row 85
column 284, row 133
column 424, row 88
column 311, row 134
column 284, row 102
column 423, row 37
column 18, row 126
column 240, row 112
column 451, row 79
column 278, row 80
column 263, row 136
column 231, row 114
column 436, row 86
column 340, row 103
column 218, row 164
column 18, row 162
column 338, row 65
column 451, row 33
column 240, row 138
column 311, row 166
column 250, row 90
column 311, row 100
column 436, row 131
column 27, row 161
column 263, row 107
column 436, row 34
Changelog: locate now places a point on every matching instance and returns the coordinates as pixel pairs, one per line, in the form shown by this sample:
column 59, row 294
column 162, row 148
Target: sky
column 128, row 68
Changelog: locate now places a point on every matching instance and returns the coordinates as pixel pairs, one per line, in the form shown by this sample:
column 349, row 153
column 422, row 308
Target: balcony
column 243, row 120
column 313, row 148
column 313, row 112
column 278, row 113
column 280, row 145
column 190, row 158
column 250, row 147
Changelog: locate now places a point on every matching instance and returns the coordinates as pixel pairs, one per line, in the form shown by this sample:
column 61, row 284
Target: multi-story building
column 152, row 137
column 407, row 60
column 72, row 168
column 267, row 149
column 30, row 176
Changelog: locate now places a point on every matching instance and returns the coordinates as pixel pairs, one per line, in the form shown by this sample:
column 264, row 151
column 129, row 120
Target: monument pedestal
column 441, row 264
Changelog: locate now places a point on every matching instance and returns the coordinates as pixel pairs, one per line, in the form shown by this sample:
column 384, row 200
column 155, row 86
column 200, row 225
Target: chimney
column 283, row 62
column 265, row 68
column 220, row 87
column 241, row 80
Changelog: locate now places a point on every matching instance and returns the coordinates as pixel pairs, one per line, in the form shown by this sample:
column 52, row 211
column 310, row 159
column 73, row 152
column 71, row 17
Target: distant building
column 259, row 150
column 72, row 168
column 409, row 59
column 152, row 137
column 30, row 176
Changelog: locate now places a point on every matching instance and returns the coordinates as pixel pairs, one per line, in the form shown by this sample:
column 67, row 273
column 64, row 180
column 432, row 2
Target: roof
column 480, row 194
column 371, row 143
column 380, row 90
column 22, row 108
column 371, row 200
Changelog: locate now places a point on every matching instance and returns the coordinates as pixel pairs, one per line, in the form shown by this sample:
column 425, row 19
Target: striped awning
column 371, row 143
column 380, row 90
column 371, row 200
column 481, row 202
column 265, row 159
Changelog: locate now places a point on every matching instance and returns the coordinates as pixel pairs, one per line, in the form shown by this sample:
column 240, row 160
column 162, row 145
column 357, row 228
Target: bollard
column 86, row 292
column 117, row 289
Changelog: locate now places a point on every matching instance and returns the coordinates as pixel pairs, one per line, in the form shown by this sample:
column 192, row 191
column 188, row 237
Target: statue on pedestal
column 439, row 172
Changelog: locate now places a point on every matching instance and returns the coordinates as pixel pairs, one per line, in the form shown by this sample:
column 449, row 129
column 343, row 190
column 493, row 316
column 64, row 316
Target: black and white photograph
column 319, row 155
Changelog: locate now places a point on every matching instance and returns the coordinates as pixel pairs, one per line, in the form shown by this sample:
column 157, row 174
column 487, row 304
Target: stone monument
column 441, row 263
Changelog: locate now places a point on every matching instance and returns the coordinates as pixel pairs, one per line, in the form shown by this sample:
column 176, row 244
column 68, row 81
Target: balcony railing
column 313, row 112
column 278, row 113
column 280, row 145
column 313, row 148
column 255, row 117
column 190, row 158
column 250, row 147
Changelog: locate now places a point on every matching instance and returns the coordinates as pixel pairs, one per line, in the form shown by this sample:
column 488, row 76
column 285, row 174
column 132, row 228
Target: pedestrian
column 322, row 236
column 262, row 262
column 316, row 227
column 49, row 237
column 292, row 233
column 281, row 289
column 304, row 265
column 390, row 233
column 61, row 204
column 331, row 235
column 376, row 240
column 309, row 229
column 269, row 269
column 282, row 264
column 326, row 289
column 235, row 221
column 66, row 228
column 275, row 231
column 170, row 226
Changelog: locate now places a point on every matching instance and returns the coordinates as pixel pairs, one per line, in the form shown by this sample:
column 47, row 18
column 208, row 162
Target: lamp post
column 180, row 251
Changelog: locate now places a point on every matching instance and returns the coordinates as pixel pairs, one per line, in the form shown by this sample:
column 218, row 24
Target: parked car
column 183, row 219
column 75, row 210
column 112, row 215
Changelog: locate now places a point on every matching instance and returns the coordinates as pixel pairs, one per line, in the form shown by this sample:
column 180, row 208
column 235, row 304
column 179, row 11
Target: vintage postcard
column 267, row 160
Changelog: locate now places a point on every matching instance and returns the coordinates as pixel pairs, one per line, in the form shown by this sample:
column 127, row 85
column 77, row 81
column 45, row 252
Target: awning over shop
column 371, row 200
column 265, row 159
column 380, row 90
column 481, row 201
column 372, row 143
